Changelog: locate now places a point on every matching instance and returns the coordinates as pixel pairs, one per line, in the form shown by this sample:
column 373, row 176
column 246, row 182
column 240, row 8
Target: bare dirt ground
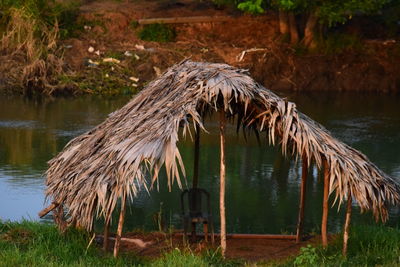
column 153, row 245
column 214, row 42
column 270, row 61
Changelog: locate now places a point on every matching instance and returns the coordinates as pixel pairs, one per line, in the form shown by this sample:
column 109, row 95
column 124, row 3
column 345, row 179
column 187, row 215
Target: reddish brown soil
column 250, row 250
column 279, row 67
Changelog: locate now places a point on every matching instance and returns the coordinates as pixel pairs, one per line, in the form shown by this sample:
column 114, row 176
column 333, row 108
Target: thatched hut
column 128, row 149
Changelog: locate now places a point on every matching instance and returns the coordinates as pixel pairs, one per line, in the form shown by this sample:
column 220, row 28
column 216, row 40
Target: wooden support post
column 48, row 209
column 193, row 235
column 222, row 181
column 347, row 224
column 196, row 158
column 58, row 217
column 205, row 229
column 304, row 174
column 120, row 226
column 325, row 206
column 106, row 233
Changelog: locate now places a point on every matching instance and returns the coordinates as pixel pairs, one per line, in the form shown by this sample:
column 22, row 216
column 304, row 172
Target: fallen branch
column 240, row 57
column 197, row 19
column 138, row 242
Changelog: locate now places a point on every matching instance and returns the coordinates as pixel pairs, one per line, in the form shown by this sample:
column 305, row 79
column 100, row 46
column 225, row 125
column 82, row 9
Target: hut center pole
column 222, row 181
column 347, row 224
column 120, row 226
column 304, row 174
column 325, row 205
column 196, row 158
column 106, row 234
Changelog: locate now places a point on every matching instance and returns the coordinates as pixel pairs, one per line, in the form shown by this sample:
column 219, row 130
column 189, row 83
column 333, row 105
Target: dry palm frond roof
column 118, row 156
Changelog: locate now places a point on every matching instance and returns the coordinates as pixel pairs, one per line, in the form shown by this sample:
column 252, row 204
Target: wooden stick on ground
column 325, row 206
column 120, row 226
column 195, row 19
column 347, row 224
column 304, row 173
column 222, row 181
column 136, row 241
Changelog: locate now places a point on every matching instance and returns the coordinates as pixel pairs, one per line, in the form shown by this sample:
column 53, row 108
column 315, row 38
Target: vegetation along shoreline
column 98, row 47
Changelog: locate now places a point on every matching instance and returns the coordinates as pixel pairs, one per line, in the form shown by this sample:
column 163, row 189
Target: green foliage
column 330, row 12
column 252, row 6
column 226, row 2
column 51, row 13
column 134, row 24
column 287, row 4
column 66, row 16
column 157, row 33
column 339, row 42
column 333, row 12
column 308, row 257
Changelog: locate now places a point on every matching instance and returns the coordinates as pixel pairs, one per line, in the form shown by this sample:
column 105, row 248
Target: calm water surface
column 262, row 186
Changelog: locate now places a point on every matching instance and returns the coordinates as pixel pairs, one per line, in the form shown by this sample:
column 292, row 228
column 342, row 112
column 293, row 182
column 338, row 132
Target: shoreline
column 106, row 56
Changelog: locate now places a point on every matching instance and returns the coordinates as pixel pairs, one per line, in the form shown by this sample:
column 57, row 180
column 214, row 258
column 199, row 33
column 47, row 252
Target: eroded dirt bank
column 110, row 30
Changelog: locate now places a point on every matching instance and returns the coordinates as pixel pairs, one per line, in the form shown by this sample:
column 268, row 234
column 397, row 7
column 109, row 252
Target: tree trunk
column 294, row 34
column 309, row 31
column 283, row 22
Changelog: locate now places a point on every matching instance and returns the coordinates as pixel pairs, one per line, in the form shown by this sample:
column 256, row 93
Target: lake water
column 262, row 186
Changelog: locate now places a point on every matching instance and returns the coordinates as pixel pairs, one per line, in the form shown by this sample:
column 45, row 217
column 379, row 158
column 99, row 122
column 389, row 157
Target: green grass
column 37, row 244
column 368, row 246
column 178, row 258
column 157, row 33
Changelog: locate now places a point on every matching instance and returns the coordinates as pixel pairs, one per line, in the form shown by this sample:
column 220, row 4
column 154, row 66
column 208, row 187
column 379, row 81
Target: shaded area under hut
column 112, row 161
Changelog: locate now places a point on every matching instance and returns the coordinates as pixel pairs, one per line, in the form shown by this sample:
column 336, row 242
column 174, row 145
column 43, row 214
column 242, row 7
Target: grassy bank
column 30, row 30
column 368, row 246
column 37, row 244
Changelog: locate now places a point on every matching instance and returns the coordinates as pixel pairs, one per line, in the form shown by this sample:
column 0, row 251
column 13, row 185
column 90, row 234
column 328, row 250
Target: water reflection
column 32, row 132
column 262, row 186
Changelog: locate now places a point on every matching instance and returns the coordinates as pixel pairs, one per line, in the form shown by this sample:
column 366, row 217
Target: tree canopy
column 319, row 12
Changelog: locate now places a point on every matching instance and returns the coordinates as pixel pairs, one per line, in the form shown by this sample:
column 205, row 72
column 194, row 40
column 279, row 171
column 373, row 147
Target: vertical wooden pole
column 106, row 233
column 325, row 206
column 120, row 226
column 196, row 158
column 304, row 174
column 222, row 181
column 347, row 224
